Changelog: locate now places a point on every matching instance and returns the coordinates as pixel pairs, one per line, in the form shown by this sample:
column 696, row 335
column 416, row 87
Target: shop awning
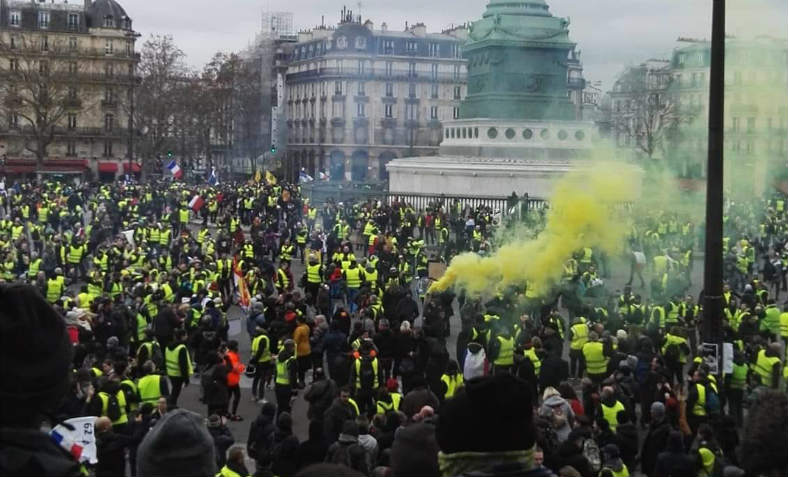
column 133, row 167
column 109, row 167
column 18, row 169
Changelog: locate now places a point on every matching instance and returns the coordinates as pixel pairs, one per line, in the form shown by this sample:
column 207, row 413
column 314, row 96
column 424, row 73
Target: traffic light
column 273, row 148
column 169, row 154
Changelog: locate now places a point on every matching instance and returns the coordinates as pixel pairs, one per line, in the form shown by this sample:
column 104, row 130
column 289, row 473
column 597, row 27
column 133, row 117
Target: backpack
column 591, row 453
column 367, row 372
column 113, row 407
column 713, row 405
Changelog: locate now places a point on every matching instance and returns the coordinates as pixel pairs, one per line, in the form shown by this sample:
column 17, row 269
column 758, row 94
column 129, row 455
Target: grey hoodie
column 560, row 414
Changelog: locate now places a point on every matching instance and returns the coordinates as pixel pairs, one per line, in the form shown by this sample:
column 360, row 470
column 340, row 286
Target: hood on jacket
column 31, row 452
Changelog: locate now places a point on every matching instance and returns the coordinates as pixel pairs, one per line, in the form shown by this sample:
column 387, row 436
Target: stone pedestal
column 493, row 158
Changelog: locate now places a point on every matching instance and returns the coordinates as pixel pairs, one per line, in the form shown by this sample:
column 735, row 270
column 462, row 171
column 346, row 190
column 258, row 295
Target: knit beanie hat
column 179, row 445
column 415, row 451
column 488, row 414
column 35, row 353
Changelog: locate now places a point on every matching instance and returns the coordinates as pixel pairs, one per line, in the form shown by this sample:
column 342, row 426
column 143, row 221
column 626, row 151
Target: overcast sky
column 610, row 33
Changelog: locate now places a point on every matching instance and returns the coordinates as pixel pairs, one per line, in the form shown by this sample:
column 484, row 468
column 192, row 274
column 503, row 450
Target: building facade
column 67, row 81
column 756, row 107
column 358, row 97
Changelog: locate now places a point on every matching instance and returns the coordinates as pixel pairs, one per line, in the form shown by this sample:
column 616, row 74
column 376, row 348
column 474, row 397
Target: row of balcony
column 60, row 131
column 394, row 75
column 360, row 121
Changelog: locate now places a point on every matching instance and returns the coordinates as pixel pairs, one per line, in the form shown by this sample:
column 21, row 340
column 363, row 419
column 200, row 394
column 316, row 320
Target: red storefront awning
column 109, row 167
column 18, row 169
column 133, row 167
column 27, row 165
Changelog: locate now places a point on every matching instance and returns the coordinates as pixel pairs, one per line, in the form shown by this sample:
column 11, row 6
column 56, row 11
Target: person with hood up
column 347, row 451
column 312, row 450
column 611, row 459
column 259, row 443
column 488, row 427
column 179, row 445
column 320, row 395
column 222, row 438
column 285, row 447
column 36, row 354
column 558, row 411
column 674, row 460
column 656, row 439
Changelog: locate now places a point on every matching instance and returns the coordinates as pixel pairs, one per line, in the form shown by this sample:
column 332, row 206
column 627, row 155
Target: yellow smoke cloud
column 585, row 211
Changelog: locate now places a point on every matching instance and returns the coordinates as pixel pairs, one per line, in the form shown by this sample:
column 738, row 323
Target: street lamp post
column 713, row 266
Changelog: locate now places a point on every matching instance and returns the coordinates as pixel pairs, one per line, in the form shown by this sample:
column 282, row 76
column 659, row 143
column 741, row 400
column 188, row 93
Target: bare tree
column 643, row 111
column 38, row 87
column 161, row 68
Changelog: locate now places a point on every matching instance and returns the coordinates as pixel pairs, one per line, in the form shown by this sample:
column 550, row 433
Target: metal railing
column 321, row 192
column 382, row 75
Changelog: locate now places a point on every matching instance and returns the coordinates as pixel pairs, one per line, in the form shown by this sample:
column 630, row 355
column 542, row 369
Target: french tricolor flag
column 196, row 203
column 175, row 169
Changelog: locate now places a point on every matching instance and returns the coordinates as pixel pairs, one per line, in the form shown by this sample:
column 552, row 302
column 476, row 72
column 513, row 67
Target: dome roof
column 100, row 10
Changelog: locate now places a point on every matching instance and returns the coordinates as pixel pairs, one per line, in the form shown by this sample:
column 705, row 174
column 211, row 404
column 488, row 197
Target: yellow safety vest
column 265, row 356
column 530, row 353
column 353, row 276
column 610, row 413
column 506, row 352
column 54, row 289
column 123, row 419
column 739, row 376
column 227, row 472
column 358, row 372
column 596, row 361
column 764, row 366
column 149, row 388
column 784, row 325
column 453, row 383
column 383, row 406
column 282, row 372
column 171, row 360
column 699, row 409
column 313, row 273
column 579, row 336
column 32, row 271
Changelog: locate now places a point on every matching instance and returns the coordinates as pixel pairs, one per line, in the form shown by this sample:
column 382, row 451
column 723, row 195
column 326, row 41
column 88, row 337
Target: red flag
column 240, row 283
column 196, row 203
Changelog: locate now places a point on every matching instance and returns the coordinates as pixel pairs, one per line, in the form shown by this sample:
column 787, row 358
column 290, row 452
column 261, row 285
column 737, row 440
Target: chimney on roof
column 384, row 27
column 370, row 26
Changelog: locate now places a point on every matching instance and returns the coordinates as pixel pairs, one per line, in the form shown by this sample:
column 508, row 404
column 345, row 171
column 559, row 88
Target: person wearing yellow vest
column 501, row 347
column 596, row 355
column 612, row 461
column 34, row 266
column 736, row 386
column 111, row 403
column 698, row 391
column 235, row 466
column 314, row 277
column 151, row 386
column 451, row 381
column 675, row 351
column 611, row 407
column 784, row 326
column 286, row 376
column 353, row 276
column 262, row 361
column 365, row 376
column 284, row 278
column 389, row 399
column 767, row 366
column 178, row 364
column 578, row 335
column 56, row 286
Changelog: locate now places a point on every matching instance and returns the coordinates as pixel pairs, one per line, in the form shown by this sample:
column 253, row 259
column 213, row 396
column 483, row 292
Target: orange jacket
column 301, row 338
column 236, row 368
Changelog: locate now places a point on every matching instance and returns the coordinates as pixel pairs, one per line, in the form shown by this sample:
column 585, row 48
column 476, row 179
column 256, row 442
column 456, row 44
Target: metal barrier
column 352, row 193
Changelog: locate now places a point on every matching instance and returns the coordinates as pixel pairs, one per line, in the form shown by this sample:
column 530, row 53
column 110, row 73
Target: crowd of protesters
column 120, row 296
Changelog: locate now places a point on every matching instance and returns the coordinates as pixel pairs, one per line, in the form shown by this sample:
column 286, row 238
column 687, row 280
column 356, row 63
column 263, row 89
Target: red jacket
column 236, row 368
